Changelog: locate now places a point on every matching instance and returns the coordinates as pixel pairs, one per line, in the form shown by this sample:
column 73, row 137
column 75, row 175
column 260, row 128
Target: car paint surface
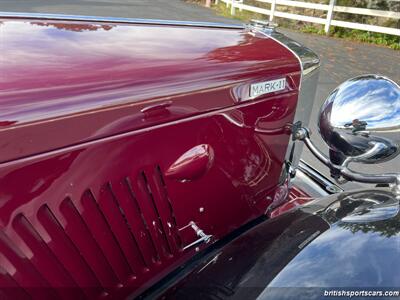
column 117, row 136
column 99, row 79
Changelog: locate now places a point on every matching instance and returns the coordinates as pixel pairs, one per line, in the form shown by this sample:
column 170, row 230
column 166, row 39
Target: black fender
column 349, row 240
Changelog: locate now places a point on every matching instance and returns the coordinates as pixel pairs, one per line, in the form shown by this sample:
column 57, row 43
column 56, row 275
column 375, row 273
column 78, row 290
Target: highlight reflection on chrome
column 360, row 112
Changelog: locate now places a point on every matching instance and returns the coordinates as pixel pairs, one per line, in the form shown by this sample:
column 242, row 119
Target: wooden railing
column 330, row 8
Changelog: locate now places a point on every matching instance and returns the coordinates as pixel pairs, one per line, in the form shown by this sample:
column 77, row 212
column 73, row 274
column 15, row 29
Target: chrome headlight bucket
column 360, row 122
column 360, row 113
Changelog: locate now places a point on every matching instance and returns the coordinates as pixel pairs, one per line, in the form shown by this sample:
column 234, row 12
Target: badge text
column 267, row 87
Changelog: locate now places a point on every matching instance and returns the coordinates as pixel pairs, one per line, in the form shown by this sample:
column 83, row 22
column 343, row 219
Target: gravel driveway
column 340, row 59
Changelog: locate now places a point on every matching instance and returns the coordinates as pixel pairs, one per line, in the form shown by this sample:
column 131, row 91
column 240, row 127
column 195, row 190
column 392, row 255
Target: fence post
column 273, row 5
column 329, row 15
column 216, row 2
column 208, row 3
column 233, row 7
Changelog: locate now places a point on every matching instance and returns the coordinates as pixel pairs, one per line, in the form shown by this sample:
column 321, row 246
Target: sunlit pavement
column 340, row 59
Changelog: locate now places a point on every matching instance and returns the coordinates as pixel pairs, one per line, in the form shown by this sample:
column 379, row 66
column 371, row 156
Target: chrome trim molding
column 61, row 17
column 308, row 185
column 309, row 60
column 328, row 185
column 309, row 63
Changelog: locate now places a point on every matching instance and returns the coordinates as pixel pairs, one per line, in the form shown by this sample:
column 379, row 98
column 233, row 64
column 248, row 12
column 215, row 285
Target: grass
column 390, row 41
column 386, row 40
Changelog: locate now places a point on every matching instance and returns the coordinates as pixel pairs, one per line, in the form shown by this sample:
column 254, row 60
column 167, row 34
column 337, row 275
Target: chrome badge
column 266, row 87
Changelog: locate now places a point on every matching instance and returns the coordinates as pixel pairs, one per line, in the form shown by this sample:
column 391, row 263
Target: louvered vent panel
column 92, row 246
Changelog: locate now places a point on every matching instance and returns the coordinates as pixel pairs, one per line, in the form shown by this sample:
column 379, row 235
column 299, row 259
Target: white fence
column 329, row 8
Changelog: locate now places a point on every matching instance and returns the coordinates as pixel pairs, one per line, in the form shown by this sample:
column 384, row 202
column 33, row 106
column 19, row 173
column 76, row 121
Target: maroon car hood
column 65, row 82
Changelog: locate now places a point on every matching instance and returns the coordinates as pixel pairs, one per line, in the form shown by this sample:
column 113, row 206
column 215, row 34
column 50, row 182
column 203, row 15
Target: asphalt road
column 340, row 59
column 146, row 9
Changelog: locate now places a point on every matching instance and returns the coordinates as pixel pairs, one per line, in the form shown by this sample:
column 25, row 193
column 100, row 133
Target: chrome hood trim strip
column 309, row 60
column 309, row 63
column 62, row 17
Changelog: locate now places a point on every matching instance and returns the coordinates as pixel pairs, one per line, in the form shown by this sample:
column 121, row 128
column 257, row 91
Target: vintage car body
column 128, row 148
column 348, row 242
column 117, row 134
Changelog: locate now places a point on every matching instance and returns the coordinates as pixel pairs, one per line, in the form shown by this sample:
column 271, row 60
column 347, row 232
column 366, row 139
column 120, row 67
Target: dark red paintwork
column 192, row 164
column 92, row 116
column 71, row 70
